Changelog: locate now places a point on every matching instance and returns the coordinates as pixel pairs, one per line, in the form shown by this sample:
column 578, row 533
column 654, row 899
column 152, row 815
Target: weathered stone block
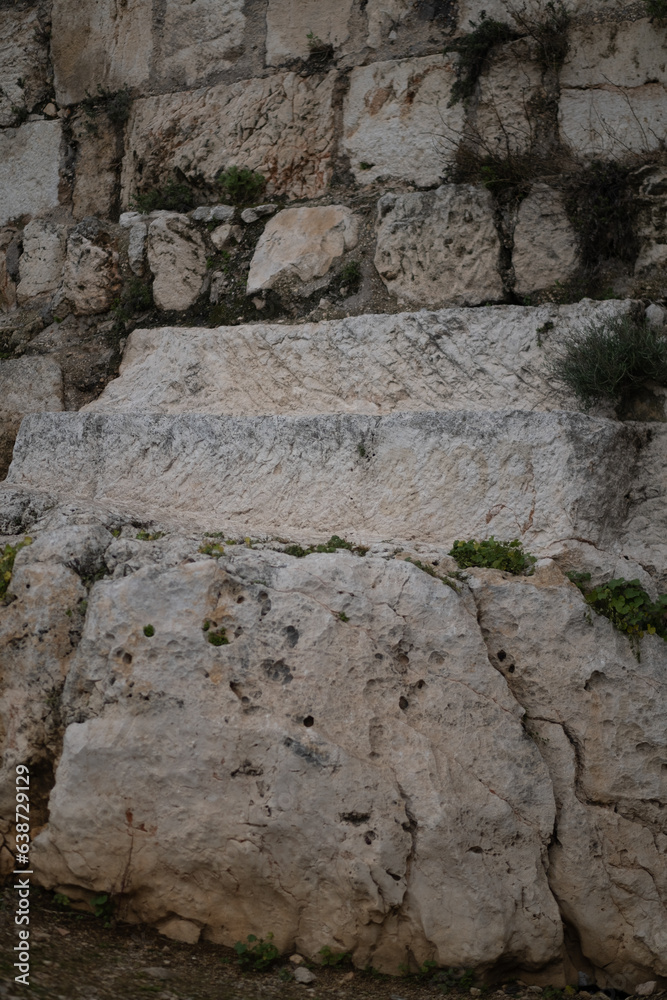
column 177, row 259
column 42, row 260
column 439, row 248
column 23, row 62
column 29, row 163
column 302, row 244
column 90, row 277
column 396, row 121
column 545, row 243
column 27, row 385
column 281, row 126
column 621, row 54
column 610, row 121
column 289, row 23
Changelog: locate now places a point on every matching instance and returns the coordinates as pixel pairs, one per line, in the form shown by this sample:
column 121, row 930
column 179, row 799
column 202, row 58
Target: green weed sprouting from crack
column 473, row 50
column 493, row 554
column 447, row 580
column 7, row 557
column 333, row 545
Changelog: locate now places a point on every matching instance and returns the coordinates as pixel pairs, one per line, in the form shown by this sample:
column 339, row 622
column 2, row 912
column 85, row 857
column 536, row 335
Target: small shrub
column 61, row 900
column 103, row 907
column 627, row 605
column 115, row 104
column 146, row 536
column 492, row 554
column 473, row 50
column 257, row 954
column 7, row 557
column 174, row 196
column 215, row 549
column 350, row 276
column 343, row 617
column 334, row 543
column 549, row 28
column 241, row 186
column 333, row 958
column 216, row 636
column 607, row 359
column 149, row 631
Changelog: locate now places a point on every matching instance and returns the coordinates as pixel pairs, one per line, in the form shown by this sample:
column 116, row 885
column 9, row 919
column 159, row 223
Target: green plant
column 350, row 276
column 149, row 631
column 607, row 360
column 578, row 578
column 549, row 28
column 115, row 104
column 473, row 50
column 656, row 9
column 492, row 554
column 334, row 543
column 343, row 617
column 216, row 636
column 319, row 52
column 7, row 557
column 257, row 954
column 174, row 196
column 147, row 536
column 103, row 907
column 241, row 186
column 333, row 958
column 627, row 605
column 214, row 549
column 366, row 166
column 61, row 900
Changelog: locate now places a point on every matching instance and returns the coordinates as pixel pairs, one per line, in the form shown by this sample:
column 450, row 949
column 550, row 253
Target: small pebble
column 304, row 976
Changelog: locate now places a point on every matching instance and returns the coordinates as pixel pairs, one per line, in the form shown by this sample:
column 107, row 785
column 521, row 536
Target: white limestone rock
column 96, row 173
column 456, row 359
column 27, row 385
column 596, row 712
column 90, row 276
column 23, row 61
column 258, row 773
column 510, row 81
column 439, row 248
column 621, row 54
column 610, row 122
column 545, row 243
column 396, row 122
column 177, row 259
column 41, row 263
column 301, row 244
column 29, row 165
column 136, row 247
column 293, row 27
column 427, row 476
column 281, row 126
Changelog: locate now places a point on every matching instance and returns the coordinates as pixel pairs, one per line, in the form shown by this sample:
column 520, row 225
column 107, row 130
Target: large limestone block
column 235, row 787
column 645, row 532
column 383, row 16
column 29, row 164
column 42, row 260
column 281, row 126
column 302, row 244
column 472, row 359
column 96, row 171
column 597, row 712
column 396, row 123
column 432, row 476
column 199, row 40
column 651, row 220
column 90, row 277
column 23, row 61
column 289, row 23
column 611, row 122
column 27, row 385
column 625, row 54
column 177, row 259
column 545, row 243
column 439, row 248
column 508, row 88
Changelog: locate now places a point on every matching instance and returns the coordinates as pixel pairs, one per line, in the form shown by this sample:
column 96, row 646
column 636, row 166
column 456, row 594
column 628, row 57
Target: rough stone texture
column 625, row 54
column 289, row 22
column 7, row 282
column 383, row 16
column 281, row 126
column 610, row 121
column 23, row 62
column 596, row 712
column 89, row 276
column 301, row 244
column 544, row 476
column 42, row 260
column 136, row 247
column 177, row 259
column 29, row 161
column 199, row 40
column 27, row 385
column 96, row 176
column 512, row 80
column 645, row 532
column 652, row 221
column 439, row 248
column 465, row 359
column 396, row 120
column 545, row 243
column 393, row 818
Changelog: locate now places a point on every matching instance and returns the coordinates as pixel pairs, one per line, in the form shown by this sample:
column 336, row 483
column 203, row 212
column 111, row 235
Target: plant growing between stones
column 7, row 557
column 215, row 549
column 608, row 361
column 333, row 958
column 216, row 636
column 149, row 631
column 493, row 554
column 115, row 104
column 656, row 9
column 174, row 196
column 473, row 50
column 147, row 536
column 241, row 186
column 255, row 954
column 548, row 27
column 627, row 606
column 602, row 208
column 334, row 543
column 425, row 568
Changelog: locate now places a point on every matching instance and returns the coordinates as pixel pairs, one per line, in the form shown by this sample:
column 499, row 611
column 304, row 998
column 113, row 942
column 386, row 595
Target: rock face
column 29, row 164
column 439, row 247
column 542, row 475
column 544, row 242
column 42, row 260
column 88, row 277
column 328, row 25
column 406, row 100
column 177, row 258
column 301, row 243
column 23, row 62
column 27, row 385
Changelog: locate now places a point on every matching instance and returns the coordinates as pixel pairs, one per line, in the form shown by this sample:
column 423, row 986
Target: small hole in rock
column 511, row 668
column 420, row 684
column 502, row 655
column 127, row 657
column 403, row 703
column 309, row 721
column 240, row 600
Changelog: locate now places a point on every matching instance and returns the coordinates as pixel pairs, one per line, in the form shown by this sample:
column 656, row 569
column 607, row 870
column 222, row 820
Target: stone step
column 428, row 476
column 473, row 359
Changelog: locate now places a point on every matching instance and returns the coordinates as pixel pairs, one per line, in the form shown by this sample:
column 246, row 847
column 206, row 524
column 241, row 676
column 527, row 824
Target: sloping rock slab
column 434, row 476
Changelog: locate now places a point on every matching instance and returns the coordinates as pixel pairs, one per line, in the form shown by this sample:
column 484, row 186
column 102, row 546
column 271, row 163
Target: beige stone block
column 29, row 165
column 621, row 54
column 545, row 243
column 96, row 168
column 23, row 61
column 611, row 122
column 90, row 276
column 439, row 248
column 27, row 385
column 177, row 259
column 301, row 244
column 42, row 260
column 290, row 22
column 200, row 39
column 504, row 115
column 281, row 126
column 396, row 121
